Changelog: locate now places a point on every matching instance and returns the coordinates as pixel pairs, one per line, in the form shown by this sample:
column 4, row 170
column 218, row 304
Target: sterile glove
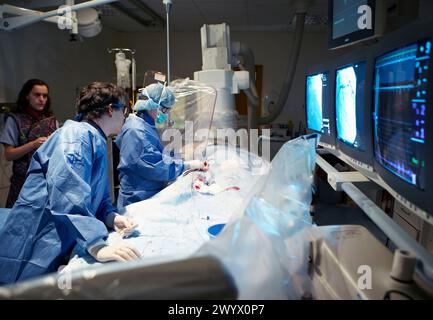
column 196, row 165
column 124, row 225
column 120, row 252
column 121, row 224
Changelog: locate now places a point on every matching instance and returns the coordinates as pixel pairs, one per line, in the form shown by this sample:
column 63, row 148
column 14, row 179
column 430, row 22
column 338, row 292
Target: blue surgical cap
column 157, row 96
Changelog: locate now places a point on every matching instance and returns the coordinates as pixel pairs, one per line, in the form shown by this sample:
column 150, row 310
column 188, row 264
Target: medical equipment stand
column 168, row 4
column 133, row 69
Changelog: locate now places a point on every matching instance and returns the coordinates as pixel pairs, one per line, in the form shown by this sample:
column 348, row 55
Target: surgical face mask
column 161, row 117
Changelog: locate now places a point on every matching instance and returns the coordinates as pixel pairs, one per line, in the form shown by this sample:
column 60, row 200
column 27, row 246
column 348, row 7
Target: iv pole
column 133, row 68
column 168, row 4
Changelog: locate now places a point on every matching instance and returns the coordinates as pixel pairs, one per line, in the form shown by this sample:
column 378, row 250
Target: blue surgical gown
column 63, row 202
column 143, row 169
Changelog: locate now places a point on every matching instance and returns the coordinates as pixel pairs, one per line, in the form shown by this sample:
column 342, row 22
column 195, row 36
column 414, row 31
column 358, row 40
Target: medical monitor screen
column 317, row 105
column 349, row 104
column 351, row 21
column 400, row 108
column 345, row 17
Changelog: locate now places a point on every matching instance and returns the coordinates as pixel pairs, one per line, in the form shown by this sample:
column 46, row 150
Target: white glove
column 124, row 225
column 196, row 164
column 120, row 252
column 121, row 224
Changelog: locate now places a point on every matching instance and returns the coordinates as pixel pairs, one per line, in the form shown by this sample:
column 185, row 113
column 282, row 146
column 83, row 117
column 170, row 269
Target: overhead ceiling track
column 156, row 20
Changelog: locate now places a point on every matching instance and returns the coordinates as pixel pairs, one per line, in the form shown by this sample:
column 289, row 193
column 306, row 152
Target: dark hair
column 23, row 102
column 95, row 98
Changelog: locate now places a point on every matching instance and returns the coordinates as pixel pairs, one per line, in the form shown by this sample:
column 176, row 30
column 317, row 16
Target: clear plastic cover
column 266, row 249
column 191, row 117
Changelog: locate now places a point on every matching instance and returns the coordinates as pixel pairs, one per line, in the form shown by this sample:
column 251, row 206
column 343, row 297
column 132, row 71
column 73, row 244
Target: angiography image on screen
column 400, row 106
column 317, row 103
column 349, row 104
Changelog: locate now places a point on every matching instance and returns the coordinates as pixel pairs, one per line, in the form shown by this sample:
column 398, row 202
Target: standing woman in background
column 25, row 131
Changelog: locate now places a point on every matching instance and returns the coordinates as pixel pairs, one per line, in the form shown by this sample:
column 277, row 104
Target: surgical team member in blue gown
column 143, row 168
column 65, row 200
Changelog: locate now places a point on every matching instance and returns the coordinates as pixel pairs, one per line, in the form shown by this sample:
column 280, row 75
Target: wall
column 151, row 49
column 43, row 51
column 271, row 49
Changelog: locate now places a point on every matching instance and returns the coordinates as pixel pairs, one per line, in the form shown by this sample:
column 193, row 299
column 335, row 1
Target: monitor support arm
column 25, row 17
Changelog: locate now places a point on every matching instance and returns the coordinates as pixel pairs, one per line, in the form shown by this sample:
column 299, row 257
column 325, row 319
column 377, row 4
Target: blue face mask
column 161, row 117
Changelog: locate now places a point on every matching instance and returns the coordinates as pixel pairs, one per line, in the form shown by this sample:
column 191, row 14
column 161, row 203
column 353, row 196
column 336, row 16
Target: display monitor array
column 376, row 107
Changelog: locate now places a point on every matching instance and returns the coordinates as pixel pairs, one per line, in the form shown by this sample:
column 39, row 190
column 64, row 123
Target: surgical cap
column 157, row 96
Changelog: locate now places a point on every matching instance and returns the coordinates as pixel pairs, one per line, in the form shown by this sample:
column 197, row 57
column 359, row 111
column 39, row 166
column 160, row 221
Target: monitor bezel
column 406, row 36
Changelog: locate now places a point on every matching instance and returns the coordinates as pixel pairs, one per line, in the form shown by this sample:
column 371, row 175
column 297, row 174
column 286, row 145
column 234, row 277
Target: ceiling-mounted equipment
column 89, row 24
column 67, row 16
column 354, row 22
column 217, row 72
column 142, row 14
column 123, row 65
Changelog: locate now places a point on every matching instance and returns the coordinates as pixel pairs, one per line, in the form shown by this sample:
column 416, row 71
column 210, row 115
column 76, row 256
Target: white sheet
column 173, row 224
